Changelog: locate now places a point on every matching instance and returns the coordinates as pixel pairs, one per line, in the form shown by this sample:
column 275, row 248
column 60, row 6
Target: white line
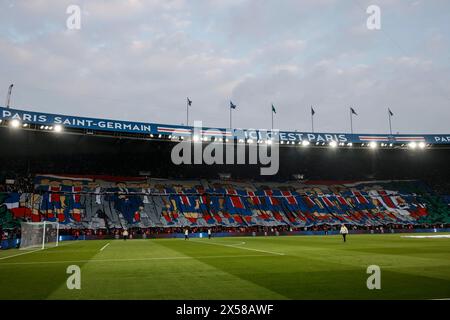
column 432, row 236
column 132, row 260
column 40, row 249
column 103, row 248
column 243, row 248
column 20, row 254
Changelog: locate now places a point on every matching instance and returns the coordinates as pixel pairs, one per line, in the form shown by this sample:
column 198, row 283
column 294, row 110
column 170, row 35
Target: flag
column 189, row 102
column 12, row 201
column 312, row 111
column 273, row 109
column 390, row 112
column 353, row 111
column 232, row 105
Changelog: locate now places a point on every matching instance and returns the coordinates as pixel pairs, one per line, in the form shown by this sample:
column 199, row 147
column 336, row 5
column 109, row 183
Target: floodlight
column 373, row 145
column 15, row 123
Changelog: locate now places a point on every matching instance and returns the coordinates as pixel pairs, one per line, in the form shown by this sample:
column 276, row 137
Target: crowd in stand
column 441, row 187
column 17, row 184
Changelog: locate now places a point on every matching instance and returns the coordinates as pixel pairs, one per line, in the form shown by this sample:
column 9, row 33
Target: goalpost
column 39, row 234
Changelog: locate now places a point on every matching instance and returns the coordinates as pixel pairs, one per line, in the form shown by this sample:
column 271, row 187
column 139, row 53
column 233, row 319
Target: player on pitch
column 344, row 232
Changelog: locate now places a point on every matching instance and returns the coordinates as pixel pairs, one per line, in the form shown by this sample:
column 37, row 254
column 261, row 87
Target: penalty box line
column 238, row 247
column 132, row 260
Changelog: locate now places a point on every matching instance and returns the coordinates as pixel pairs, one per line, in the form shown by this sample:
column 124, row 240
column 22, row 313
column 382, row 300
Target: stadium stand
column 93, row 202
column 96, row 181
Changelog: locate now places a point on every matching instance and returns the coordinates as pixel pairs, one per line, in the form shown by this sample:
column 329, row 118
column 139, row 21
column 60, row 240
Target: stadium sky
column 139, row 60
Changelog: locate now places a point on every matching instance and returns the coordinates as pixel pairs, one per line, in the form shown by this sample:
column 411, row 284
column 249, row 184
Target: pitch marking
column 243, row 248
column 424, row 237
column 131, row 260
column 40, row 249
column 21, row 254
column 104, row 247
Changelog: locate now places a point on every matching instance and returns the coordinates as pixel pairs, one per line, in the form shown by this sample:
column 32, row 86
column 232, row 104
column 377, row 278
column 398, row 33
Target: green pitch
column 303, row 267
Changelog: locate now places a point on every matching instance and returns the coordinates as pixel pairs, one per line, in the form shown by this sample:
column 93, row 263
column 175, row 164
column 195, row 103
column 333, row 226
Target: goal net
column 39, row 234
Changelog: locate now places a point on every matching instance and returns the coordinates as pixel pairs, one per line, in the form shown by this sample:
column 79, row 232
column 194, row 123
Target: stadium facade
column 100, row 174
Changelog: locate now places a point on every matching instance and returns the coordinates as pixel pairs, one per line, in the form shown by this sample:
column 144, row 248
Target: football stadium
column 106, row 197
column 224, row 158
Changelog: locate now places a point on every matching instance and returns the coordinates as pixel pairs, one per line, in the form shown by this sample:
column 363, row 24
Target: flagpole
column 390, row 123
column 351, row 120
column 312, row 121
column 271, row 111
column 187, row 112
column 230, row 118
column 8, row 97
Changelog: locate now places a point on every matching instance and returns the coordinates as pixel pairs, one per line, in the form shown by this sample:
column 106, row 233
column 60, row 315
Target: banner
column 238, row 134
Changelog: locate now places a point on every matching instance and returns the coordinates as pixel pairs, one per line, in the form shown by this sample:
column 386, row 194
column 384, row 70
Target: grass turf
column 301, row 267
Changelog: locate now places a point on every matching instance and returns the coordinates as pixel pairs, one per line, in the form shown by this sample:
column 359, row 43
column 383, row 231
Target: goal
column 39, row 234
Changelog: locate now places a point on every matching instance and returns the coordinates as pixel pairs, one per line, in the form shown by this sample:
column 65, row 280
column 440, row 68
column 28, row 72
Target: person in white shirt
column 209, row 233
column 344, row 232
column 125, row 234
column 186, row 234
